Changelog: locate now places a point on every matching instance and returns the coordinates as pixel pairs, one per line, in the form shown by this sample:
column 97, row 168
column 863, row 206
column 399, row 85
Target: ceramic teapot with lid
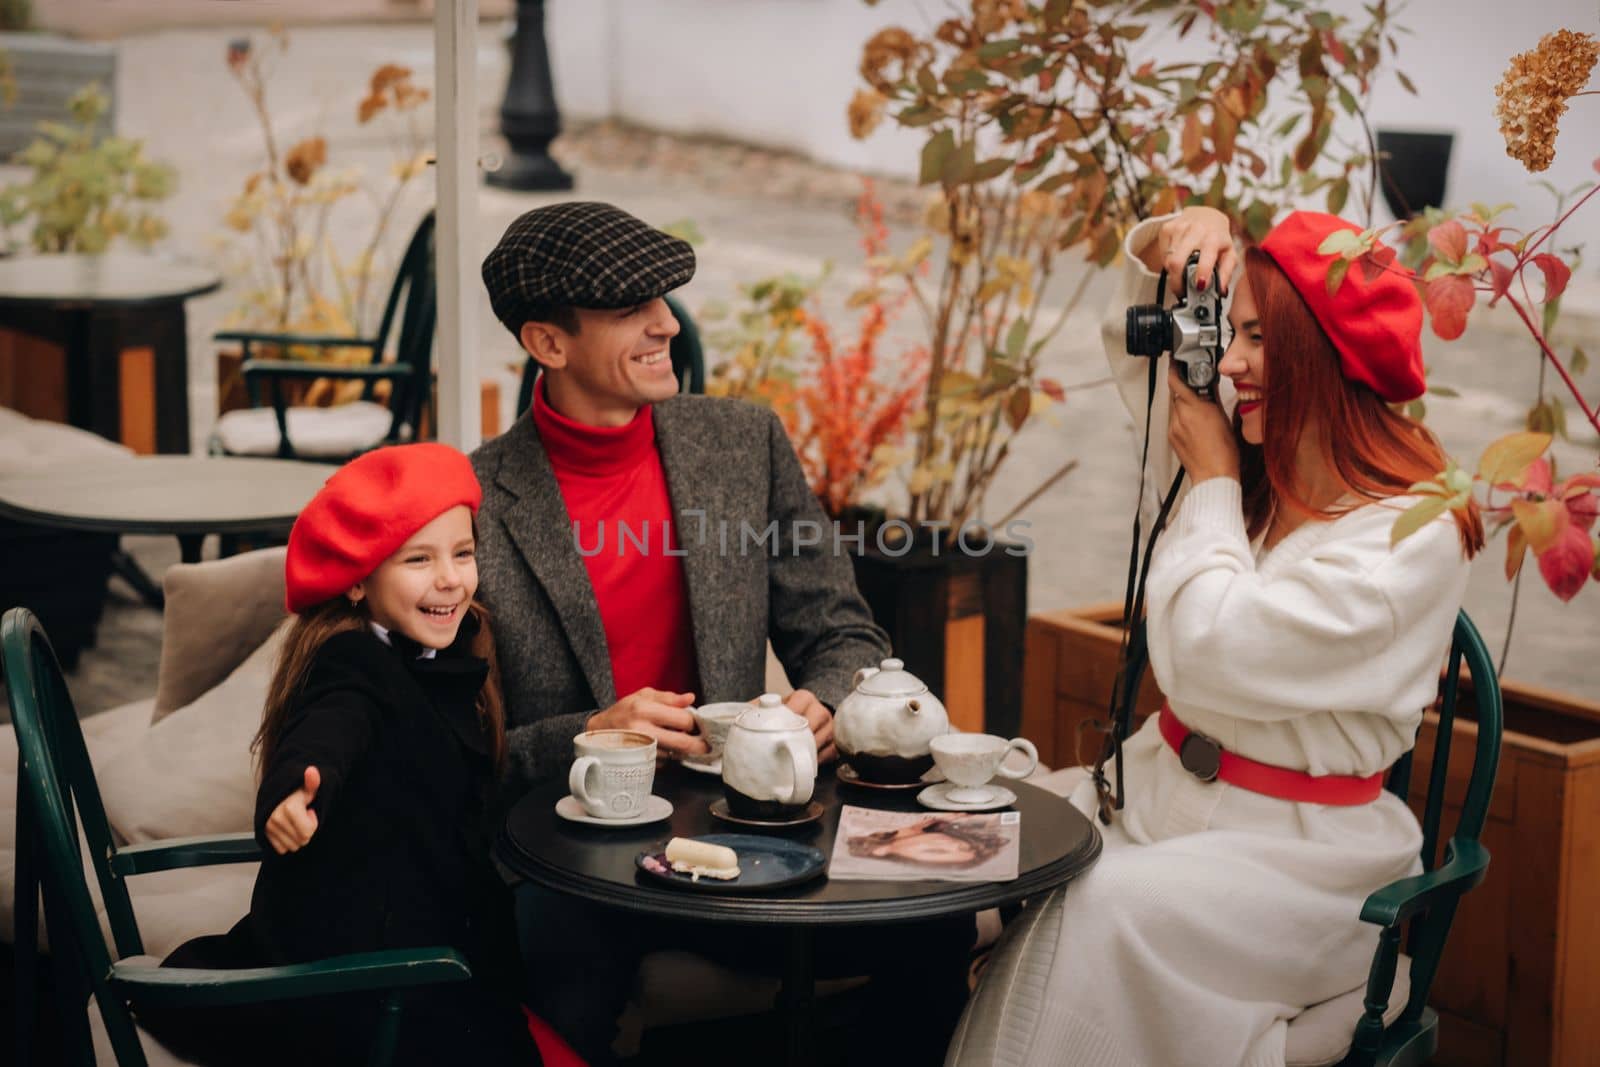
column 769, row 762
column 884, row 726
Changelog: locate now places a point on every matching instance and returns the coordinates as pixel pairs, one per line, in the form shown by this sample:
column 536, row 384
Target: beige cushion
column 27, row 444
column 217, row 613
column 324, row 432
column 1322, row 1033
column 192, row 773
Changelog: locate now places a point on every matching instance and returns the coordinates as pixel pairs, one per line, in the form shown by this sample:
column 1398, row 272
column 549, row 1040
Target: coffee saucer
column 811, row 813
column 708, row 767
column 847, row 774
column 655, row 809
column 936, row 796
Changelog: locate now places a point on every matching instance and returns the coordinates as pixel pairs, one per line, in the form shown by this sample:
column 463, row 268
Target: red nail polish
column 1200, row 285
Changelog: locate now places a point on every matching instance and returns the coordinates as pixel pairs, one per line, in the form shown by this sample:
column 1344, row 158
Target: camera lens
column 1149, row 330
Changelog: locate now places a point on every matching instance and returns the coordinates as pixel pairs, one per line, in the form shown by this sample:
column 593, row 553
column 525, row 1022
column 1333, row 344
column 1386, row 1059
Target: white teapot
column 769, row 762
column 884, row 726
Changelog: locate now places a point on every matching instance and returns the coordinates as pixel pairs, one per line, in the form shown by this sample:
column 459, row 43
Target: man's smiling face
column 616, row 363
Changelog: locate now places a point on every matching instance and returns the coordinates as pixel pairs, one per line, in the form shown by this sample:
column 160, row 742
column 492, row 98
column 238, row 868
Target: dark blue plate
column 764, row 863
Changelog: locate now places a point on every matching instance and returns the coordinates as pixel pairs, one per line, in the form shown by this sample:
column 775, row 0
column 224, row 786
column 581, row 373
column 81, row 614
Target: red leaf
column 1536, row 479
column 1556, row 274
column 1516, row 551
column 1449, row 239
column 1565, row 565
column 1502, row 275
column 1052, row 389
column 1449, row 299
column 1376, row 262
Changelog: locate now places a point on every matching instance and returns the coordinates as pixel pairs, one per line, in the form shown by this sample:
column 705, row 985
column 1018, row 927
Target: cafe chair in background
column 276, row 427
column 1388, row 1022
column 685, row 351
column 63, row 833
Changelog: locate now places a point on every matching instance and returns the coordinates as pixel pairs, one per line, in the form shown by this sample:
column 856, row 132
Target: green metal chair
column 336, row 434
column 685, row 351
column 56, row 792
column 1427, row 901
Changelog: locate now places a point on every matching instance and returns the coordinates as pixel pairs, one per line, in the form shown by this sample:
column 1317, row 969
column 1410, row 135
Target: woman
column 937, row 841
column 1284, row 628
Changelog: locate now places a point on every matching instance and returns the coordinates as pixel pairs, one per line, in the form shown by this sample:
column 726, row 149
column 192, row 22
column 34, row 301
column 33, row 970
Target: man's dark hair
column 562, row 315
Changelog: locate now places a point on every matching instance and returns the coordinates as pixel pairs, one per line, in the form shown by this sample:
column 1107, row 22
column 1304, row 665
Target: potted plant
column 1044, row 141
column 290, row 277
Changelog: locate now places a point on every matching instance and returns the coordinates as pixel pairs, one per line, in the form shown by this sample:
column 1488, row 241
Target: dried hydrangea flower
column 865, row 112
column 1534, row 91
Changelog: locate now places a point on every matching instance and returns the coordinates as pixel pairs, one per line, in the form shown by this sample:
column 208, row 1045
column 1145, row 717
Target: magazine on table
column 914, row 846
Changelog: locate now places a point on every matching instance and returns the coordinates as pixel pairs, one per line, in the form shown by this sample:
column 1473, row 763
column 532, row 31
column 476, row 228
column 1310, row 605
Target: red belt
column 1206, row 760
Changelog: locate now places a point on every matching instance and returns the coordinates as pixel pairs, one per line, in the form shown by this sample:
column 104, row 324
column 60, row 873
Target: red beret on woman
column 366, row 511
column 1375, row 324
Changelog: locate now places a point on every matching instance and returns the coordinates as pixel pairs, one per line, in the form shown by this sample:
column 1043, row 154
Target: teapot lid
column 771, row 715
column 893, row 680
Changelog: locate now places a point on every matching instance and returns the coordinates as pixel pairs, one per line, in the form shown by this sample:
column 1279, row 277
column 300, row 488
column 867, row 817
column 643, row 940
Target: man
column 638, row 549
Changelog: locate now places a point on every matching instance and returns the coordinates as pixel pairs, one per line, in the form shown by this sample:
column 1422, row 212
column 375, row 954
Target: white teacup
column 969, row 761
column 714, row 721
column 614, row 772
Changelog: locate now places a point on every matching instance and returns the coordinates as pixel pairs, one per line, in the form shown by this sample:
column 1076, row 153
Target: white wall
column 781, row 72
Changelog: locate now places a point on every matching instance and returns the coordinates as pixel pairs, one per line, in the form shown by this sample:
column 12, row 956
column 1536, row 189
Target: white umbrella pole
column 455, row 33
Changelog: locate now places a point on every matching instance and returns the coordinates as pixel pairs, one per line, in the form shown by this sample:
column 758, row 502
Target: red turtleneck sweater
column 616, row 495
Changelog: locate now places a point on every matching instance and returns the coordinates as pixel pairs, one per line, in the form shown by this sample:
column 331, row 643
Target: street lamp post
column 528, row 116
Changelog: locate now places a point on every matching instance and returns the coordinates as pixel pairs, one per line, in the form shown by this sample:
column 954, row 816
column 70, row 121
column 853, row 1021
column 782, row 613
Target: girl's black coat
column 400, row 859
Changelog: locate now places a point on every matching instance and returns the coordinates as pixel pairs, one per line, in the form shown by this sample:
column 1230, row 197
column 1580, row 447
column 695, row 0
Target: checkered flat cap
column 581, row 254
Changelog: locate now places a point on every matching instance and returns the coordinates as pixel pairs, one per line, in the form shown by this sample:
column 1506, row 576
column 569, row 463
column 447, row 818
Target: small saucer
column 813, row 812
column 936, row 797
column 847, row 774
column 708, row 767
column 655, row 809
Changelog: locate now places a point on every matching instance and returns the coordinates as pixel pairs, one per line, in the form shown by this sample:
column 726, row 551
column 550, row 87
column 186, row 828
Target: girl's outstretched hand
column 291, row 824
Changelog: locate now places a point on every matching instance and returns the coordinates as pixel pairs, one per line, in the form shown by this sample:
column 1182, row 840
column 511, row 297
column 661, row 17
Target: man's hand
column 1200, row 434
column 292, row 822
column 804, row 702
column 664, row 716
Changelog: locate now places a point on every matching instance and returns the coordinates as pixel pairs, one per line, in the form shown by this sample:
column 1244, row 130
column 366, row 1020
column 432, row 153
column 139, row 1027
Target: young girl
column 379, row 746
column 1287, row 630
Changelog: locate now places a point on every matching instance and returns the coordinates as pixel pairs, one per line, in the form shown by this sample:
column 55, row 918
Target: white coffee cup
column 714, row 721
column 969, row 761
column 614, row 772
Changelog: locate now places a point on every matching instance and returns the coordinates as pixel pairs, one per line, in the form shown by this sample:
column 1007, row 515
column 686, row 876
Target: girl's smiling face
column 423, row 589
column 1245, row 362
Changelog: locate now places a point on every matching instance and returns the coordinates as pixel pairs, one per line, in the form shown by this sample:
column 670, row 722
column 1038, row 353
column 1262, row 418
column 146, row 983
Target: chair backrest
column 1429, row 929
column 56, row 797
column 414, row 299
column 685, row 351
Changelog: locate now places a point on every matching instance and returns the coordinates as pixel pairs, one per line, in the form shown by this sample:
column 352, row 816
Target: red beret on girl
column 1376, row 325
column 367, row 510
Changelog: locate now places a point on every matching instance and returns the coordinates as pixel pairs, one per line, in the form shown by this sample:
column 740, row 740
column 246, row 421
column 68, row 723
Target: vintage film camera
column 1191, row 330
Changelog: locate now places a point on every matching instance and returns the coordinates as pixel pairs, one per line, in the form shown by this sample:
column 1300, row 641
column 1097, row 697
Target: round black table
column 184, row 496
column 99, row 306
column 597, row 863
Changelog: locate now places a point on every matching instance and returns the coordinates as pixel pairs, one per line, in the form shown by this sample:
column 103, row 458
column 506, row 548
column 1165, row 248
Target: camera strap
column 1119, row 716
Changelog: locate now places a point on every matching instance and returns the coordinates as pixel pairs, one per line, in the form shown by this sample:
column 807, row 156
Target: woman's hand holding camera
column 1199, row 432
column 1196, row 229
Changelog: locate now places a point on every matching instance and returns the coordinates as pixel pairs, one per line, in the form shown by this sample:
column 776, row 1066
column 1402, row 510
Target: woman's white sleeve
column 1334, row 631
column 1132, row 373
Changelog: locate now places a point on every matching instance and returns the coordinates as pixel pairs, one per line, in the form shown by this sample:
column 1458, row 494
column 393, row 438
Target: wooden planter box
column 957, row 622
column 1520, row 979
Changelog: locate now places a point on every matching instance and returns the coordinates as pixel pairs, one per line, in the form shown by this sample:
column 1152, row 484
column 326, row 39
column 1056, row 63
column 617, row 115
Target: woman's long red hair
column 1374, row 451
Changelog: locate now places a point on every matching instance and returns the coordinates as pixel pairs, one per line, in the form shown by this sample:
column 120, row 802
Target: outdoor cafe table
column 184, row 496
column 597, row 863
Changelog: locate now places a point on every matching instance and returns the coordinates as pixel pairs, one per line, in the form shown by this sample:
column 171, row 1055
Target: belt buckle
column 1201, row 756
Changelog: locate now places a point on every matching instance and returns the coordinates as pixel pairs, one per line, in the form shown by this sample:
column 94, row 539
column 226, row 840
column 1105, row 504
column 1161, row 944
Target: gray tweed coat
column 733, row 462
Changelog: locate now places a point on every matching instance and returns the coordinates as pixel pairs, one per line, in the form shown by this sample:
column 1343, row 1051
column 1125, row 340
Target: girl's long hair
column 315, row 625
column 1374, row 451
